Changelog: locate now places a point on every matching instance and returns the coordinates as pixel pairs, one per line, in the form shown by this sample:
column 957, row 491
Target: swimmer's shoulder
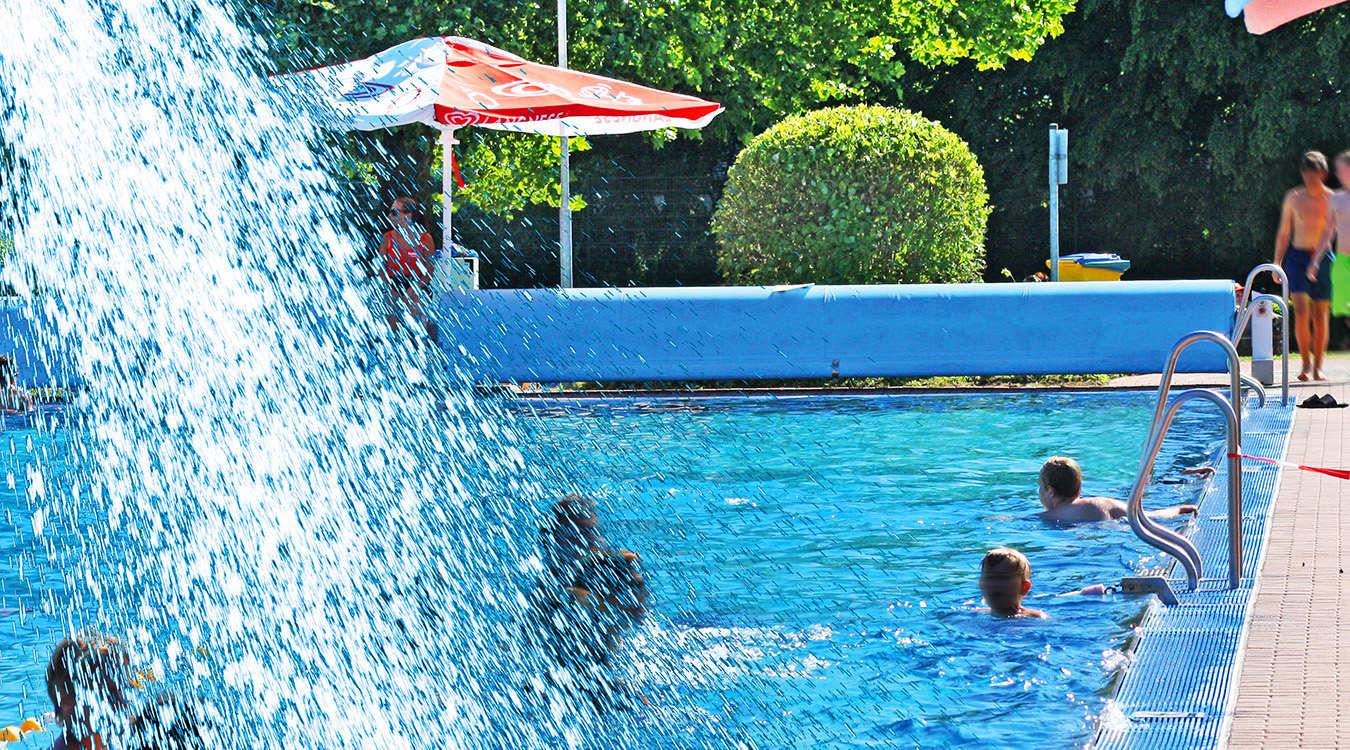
column 1033, row 614
column 1085, row 510
column 1111, row 508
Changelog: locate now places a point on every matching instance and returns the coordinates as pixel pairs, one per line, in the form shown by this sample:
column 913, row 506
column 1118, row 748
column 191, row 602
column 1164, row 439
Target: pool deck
column 1294, row 674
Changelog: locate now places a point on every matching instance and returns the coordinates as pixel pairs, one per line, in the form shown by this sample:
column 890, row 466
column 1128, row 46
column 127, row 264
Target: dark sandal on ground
column 1321, row 402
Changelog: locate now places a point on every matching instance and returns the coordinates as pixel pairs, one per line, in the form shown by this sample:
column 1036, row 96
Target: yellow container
column 1071, row 271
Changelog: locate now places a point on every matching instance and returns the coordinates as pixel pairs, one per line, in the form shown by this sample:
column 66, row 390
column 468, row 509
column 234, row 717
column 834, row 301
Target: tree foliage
column 853, row 195
column 1185, row 132
column 762, row 60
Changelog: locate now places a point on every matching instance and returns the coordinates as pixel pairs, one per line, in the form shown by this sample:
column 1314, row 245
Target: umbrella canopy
column 1263, row 15
column 452, row 82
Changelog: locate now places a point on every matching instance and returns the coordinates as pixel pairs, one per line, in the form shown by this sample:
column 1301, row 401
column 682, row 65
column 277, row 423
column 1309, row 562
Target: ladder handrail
column 1255, row 385
column 1283, row 299
column 1154, row 534
column 1274, row 269
column 1234, row 370
column 1244, row 317
column 1170, row 541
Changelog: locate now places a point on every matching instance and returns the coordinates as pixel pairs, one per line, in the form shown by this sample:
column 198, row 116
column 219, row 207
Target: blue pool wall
column 813, row 331
column 37, row 364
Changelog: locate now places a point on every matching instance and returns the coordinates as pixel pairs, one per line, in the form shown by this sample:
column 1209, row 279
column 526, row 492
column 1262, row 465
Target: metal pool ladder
column 1160, row 536
column 1244, row 315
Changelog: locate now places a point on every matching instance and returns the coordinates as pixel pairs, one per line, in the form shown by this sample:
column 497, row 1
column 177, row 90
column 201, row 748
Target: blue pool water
column 32, row 454
column 814, row 562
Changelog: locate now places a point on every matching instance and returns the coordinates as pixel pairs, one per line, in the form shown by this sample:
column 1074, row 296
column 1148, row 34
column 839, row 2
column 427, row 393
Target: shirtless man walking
column 1307, row 222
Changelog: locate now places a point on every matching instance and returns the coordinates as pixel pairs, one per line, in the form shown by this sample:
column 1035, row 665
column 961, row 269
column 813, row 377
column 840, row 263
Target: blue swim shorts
column 1296, row 266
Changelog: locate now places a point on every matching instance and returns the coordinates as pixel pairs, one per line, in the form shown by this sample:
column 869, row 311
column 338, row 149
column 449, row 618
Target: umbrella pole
column 564, row 169
column 448, row 142
column 565, row 220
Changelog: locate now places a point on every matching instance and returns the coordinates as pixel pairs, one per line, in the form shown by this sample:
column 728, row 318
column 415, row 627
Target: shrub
column 853, row 195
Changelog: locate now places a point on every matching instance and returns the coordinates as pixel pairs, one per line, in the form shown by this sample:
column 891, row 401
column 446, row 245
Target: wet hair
column 1007, row 556
column 1313, row 161
column 170, row 722
column 6, row 372
column 575, row 512
column 1063, row 476
column 92, row 661
column 570, row 534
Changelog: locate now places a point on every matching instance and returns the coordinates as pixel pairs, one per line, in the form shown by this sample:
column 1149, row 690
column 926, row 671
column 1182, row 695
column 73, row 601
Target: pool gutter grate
column 1179, row 687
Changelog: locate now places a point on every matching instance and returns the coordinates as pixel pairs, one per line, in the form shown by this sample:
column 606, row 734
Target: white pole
column 1054, row 202
column 448, row 142
column 565, row 211
column 440, row 280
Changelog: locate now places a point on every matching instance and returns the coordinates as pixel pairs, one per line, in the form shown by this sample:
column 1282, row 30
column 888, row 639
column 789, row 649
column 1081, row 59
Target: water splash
column 294, row 512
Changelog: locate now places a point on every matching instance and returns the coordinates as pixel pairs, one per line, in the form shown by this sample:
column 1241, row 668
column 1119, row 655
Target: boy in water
column 571, row 536
column 1005, row 577
column 84, row 679
column 1061, row 489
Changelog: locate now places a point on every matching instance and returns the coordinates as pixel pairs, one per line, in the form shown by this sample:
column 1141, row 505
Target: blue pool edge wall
column 815, row 331
column 38, row 362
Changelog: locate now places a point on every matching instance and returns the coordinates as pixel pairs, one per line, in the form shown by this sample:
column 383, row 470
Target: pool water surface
column 814, row 562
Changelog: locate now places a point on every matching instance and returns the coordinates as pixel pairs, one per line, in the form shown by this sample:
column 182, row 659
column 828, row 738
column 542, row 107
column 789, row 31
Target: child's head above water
column 572, row 533
column 84, row 682
column 1005, row 577
column 1061, row 481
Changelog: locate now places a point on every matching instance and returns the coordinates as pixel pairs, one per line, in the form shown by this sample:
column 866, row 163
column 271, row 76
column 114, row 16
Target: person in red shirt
column 407, row 251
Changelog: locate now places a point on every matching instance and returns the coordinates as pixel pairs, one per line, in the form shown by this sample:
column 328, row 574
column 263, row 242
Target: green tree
column 853, row 195
column 761, row 60
column 1185, row 132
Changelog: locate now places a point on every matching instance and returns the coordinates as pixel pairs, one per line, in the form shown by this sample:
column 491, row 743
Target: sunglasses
column 397, row 211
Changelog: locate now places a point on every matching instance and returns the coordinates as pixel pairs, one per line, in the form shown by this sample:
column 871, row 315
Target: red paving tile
column 1295, row 671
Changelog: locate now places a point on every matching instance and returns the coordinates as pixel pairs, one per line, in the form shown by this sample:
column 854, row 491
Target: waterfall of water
column 293, row 512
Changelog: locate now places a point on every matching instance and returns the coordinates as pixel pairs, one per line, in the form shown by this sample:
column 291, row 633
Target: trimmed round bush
column 853, row 195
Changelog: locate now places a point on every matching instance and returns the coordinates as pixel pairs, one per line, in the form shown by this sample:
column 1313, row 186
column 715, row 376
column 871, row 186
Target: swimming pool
column 32, row 454
column 814, row 561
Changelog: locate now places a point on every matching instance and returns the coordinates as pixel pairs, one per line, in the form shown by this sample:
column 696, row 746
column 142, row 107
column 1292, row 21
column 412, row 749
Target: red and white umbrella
column 450, row 82
column 1264, row 15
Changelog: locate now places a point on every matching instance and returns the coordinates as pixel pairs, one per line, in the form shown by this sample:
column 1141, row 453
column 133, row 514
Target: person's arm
column 386, row 248
column 1286, row 226
column 1172, row 512
column 1323, row 243
column 426, row 248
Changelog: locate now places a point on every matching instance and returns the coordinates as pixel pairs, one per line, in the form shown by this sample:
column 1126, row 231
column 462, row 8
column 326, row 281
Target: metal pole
column 564, row 211
column 448, row 142
column 1054, row 202
column 1234, row 499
